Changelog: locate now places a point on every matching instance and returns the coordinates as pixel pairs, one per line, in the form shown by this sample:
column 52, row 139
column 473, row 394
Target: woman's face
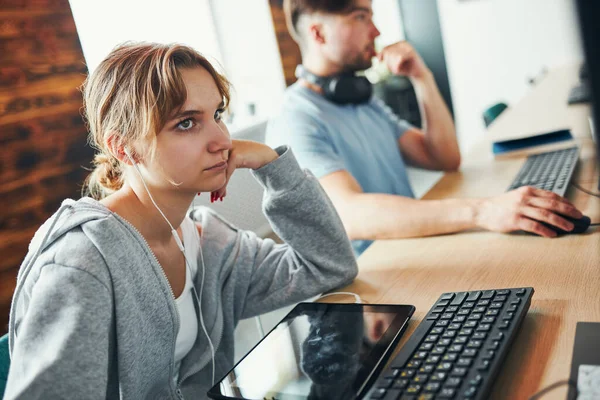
column 193, row 146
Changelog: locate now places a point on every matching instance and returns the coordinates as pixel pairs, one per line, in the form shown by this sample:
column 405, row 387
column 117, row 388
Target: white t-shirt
column 188, row 318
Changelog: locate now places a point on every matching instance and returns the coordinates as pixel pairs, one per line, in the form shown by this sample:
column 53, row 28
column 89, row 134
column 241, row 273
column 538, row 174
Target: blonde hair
column 130, row 97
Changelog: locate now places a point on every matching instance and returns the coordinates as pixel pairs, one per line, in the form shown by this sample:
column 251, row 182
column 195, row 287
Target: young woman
column 122, row 294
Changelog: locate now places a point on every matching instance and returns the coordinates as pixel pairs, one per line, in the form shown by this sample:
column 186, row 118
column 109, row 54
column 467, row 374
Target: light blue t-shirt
column 328, row 137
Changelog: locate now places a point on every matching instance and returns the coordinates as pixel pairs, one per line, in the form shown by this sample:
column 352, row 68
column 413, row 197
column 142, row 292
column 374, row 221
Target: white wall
column 493, row 47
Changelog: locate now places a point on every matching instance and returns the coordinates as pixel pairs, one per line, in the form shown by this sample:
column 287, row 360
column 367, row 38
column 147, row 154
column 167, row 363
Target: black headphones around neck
column 344, row 88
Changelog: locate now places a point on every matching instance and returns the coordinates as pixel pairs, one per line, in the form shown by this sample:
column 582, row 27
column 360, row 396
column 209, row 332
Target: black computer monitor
column 589, row 23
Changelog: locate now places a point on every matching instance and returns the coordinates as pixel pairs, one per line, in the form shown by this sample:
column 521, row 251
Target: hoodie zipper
column 199, row 367
column 177, row 322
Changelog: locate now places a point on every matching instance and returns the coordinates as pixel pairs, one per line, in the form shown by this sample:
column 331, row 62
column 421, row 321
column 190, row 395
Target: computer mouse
column 581, row 225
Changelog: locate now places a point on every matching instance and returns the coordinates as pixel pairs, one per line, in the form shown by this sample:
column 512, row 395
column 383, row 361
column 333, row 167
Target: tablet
column 318, row 351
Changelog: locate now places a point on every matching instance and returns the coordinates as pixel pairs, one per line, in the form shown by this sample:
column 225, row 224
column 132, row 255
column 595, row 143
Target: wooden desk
column 565, row 271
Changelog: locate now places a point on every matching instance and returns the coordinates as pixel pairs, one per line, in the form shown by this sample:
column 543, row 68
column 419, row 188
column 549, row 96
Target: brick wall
column 42, row 135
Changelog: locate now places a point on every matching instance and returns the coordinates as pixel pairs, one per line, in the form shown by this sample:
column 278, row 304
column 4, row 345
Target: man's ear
column 316, row 32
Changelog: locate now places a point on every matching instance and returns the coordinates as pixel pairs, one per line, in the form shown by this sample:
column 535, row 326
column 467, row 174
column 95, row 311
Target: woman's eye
column 185, row 124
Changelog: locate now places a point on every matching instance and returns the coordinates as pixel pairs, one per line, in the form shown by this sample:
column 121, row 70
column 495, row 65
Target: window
column 237, row 36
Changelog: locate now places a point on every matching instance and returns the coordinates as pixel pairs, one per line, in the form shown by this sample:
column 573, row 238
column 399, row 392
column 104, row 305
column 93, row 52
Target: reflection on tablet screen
column 323, row 352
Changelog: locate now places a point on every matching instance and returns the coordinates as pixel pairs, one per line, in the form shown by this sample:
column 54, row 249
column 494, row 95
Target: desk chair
column 492, row 113
column 4, row 363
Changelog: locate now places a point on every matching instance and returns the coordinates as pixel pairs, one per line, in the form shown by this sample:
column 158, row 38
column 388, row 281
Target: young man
column 359, row 150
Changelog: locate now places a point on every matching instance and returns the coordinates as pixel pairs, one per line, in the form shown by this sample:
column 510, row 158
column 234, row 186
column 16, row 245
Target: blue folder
column 531, row 141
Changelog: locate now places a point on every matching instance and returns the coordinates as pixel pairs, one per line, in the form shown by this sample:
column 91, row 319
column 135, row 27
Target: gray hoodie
column 93, row 315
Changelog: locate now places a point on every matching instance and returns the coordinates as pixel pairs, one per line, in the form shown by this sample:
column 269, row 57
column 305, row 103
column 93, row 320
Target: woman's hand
column 244, row 154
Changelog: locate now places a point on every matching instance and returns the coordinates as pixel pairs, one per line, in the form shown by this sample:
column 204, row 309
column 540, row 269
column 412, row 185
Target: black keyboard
column 457, row 350
column 550, row 171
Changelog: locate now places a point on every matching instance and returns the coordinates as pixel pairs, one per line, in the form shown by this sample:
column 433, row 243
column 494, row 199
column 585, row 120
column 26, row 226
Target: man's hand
column 523, row 209
column 244, row 154
column 402, row 59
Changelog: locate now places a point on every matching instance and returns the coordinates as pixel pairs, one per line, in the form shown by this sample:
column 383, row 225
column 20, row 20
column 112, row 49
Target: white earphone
column 182, row 248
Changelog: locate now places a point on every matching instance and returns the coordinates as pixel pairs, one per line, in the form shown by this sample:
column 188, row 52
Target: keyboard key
column 432, row 387
column 401, row 383
column 483, row 328
column 503, row 291
column 413, row 364
column 475, row 317
column 443, row 322
column 433, row 317
column 438, row 310
column 433, row 360
column 488, row 320
column 488, row 355
column 516, row 300
column 407, row 373
column 496, row 304
column 458, row 299
column 459, row 371
column 452, row 309
column 479, row 309
column 504, row 324
column 468, row 304
column 500, row 298
column 488, row 294
column 447, row 296
column 453, row 382
column 413, row 389
column 426, row 369
column 446, row 393
column 445, row 366
column 443, row 303
column 454, row 325
column 450, row 357
column 426, row 347
column 469, row 353
column 470, row 392
column 461, row 340
column 438, row 377
column 459, row 318
column 464, row 362
column 497, row 336
column 520, row 292
column 444, row 342
column 473, row 296
column 379, row 394
column 483, row 365
column 392, row 373
column 477, row 379
column 421, row 378
column 392, row 394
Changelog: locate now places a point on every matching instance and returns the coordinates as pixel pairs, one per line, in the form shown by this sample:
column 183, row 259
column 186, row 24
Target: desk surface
column 565, row 271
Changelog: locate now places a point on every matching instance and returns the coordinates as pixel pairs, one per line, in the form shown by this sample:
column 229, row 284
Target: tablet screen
column 318, row 351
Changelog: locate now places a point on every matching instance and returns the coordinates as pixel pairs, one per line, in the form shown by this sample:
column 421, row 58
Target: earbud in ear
column 128, row 154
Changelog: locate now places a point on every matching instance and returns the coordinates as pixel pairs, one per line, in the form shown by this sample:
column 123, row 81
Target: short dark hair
column 294, row 9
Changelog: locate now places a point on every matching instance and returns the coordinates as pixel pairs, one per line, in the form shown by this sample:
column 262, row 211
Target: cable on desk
column 554, row 386
column 357, row 298
column 577, row 186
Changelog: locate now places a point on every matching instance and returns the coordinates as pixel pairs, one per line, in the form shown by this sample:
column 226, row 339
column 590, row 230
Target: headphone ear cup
column 349, row 89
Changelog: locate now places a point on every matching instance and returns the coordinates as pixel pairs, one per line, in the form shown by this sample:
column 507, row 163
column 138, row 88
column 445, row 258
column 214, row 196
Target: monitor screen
column 589, row 22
